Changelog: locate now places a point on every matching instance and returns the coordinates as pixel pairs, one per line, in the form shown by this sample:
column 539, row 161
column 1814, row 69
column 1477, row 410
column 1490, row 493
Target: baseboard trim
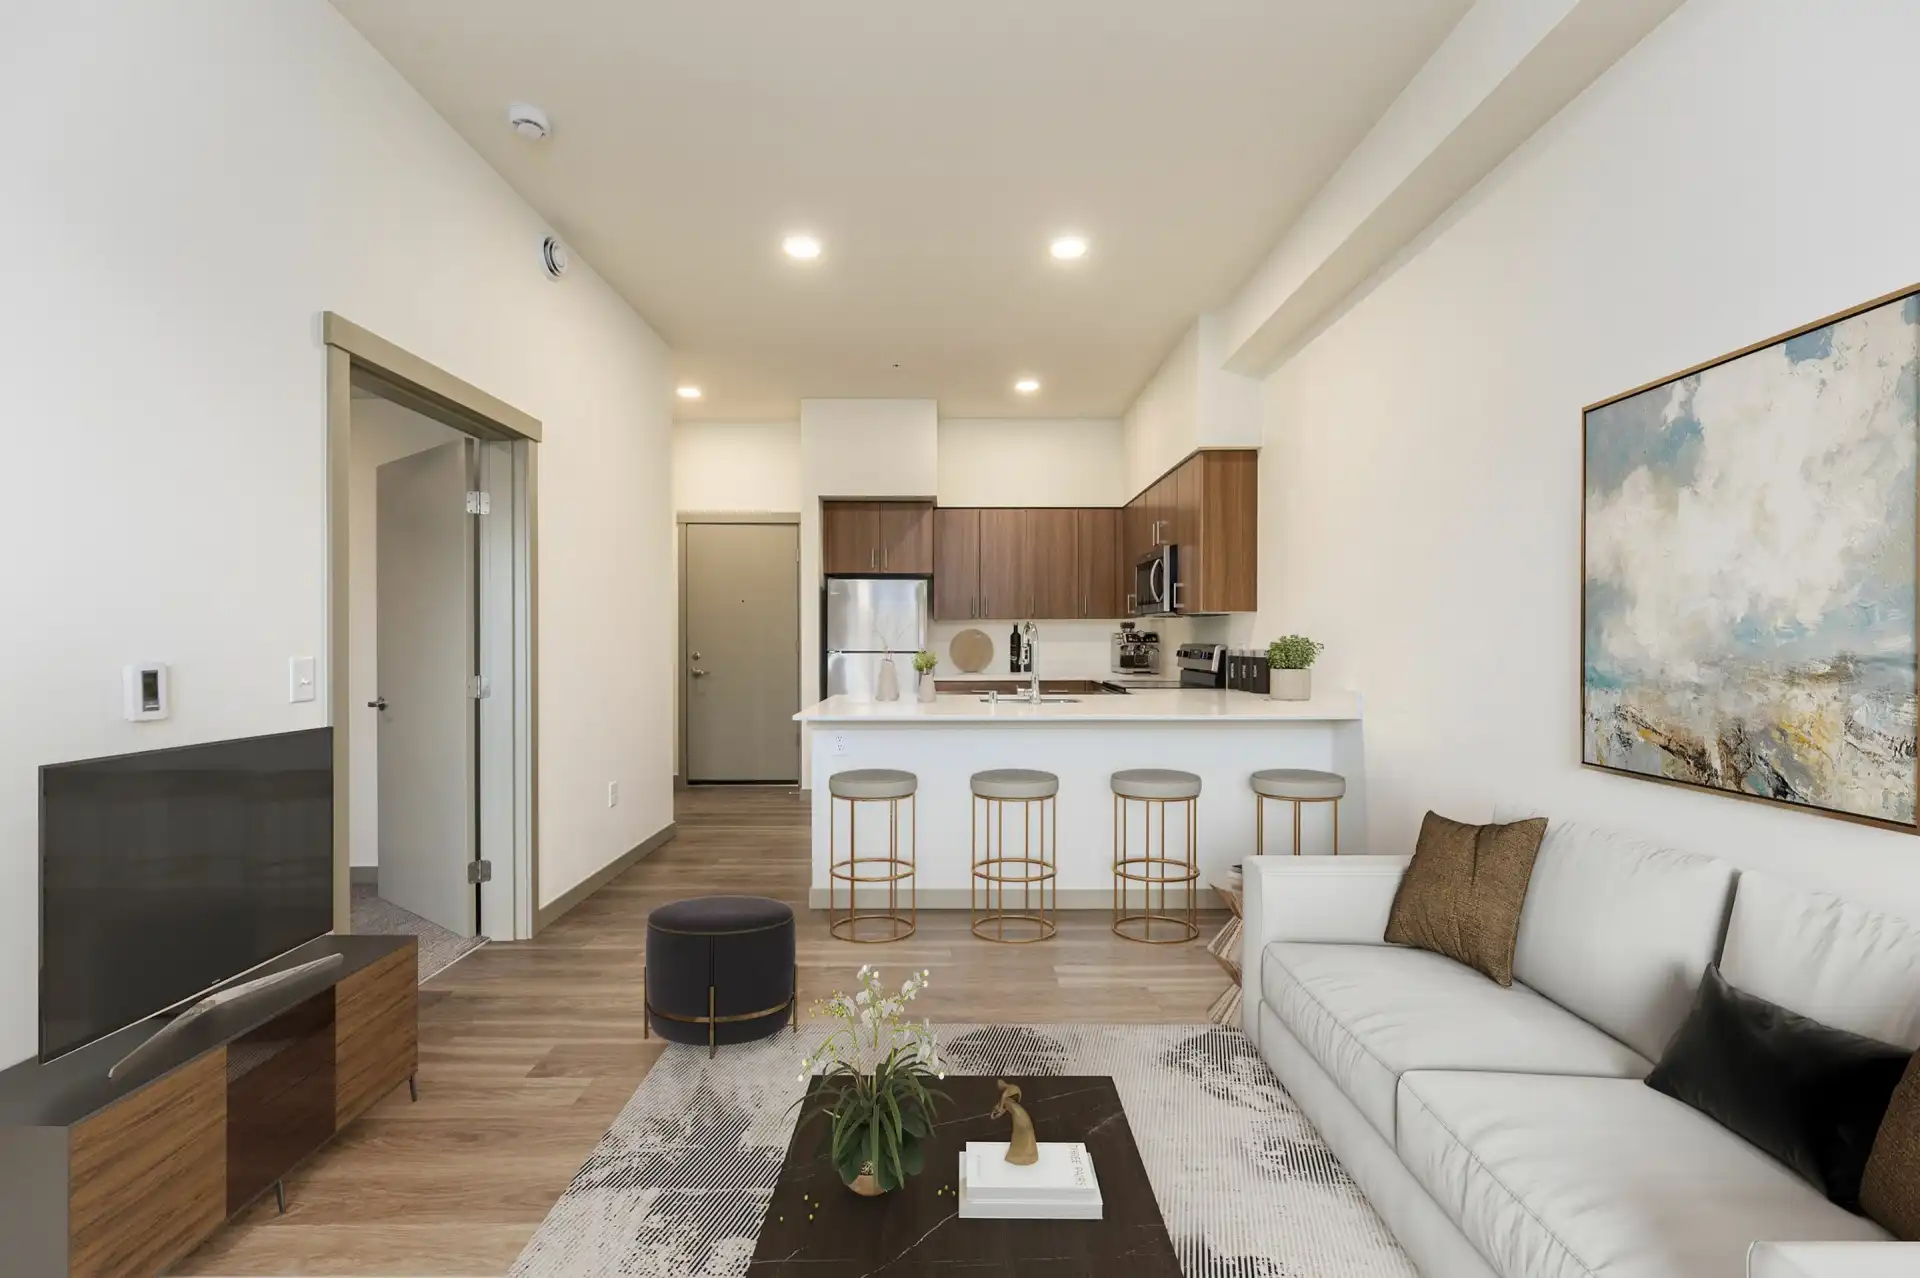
column 364, row 875
column 556, row 909
column 1069, row 899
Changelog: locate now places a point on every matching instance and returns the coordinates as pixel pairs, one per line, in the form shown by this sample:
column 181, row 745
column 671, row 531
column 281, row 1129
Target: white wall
column 736, row 466
column 1190, row 402
column 1037, row 461
column 162, row 336
column 383, row 431
column 1739, row 173
column 1163, row 424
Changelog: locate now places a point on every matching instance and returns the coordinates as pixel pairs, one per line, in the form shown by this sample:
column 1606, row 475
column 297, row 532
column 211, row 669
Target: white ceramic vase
column 1290, row 685
column 927, row 689
column 887, row 686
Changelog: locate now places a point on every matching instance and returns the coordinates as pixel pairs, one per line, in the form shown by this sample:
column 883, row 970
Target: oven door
column 1154, row 579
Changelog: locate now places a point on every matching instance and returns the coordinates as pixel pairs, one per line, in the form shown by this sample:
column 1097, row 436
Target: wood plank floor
column 529, row 1050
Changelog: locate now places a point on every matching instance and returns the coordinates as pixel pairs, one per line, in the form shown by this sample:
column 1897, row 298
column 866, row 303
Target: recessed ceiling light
column 1027, row 385
column 801, row 247
column 688, row 392
column 1069, row 248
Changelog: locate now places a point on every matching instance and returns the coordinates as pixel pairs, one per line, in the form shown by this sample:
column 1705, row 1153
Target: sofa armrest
column 1330, row 899
column 1833, row 1259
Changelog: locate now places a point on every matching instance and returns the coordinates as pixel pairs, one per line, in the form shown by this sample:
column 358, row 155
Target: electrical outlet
column 839, row 743
column 613, row 793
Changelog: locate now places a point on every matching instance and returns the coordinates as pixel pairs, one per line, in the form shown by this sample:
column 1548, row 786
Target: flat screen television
column 167, row 873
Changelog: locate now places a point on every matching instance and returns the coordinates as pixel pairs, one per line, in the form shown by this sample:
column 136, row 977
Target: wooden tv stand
column 104, row 1176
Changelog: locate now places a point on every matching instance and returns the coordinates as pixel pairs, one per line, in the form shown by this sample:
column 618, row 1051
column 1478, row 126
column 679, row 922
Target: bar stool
column 1155, row 789
column 853, row 788
column 1037, row 876
column 1296, row 786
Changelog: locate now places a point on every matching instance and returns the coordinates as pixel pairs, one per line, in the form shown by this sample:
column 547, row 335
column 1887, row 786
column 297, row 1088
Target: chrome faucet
column 1031, row 633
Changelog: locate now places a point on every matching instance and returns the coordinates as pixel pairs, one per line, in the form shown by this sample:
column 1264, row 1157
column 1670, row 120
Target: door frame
column 508, row 613
column 681, row 519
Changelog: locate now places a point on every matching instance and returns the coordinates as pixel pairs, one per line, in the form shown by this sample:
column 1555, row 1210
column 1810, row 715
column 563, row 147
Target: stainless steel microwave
column 1156, row 583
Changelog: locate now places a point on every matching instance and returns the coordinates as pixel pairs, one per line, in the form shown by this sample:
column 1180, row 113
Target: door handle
column 697, row 673
column 378, row 703
column 886, row 558
column 873, row 558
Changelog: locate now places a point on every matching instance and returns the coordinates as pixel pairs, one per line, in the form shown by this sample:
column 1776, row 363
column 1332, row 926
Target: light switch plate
column 613, row 793
column 300, row 677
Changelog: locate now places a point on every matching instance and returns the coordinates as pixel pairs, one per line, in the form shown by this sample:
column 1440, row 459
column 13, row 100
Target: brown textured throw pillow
column 1461, row 895
column 1890, row 1190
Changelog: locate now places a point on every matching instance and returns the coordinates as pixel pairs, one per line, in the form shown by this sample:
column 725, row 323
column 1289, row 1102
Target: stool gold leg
column 1296, row 827
column 1336, row 827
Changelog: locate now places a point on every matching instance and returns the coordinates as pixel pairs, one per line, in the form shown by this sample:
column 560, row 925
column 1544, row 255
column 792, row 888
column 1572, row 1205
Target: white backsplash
column 1083, row 649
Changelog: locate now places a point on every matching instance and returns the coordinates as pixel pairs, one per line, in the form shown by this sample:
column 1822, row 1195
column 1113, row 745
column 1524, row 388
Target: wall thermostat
column 147, row 696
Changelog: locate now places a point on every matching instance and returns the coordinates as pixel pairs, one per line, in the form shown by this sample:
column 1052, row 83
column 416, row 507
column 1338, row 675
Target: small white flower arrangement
column 875, row 1090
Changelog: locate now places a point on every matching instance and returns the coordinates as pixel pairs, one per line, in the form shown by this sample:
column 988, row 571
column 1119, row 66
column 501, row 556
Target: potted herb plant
column 1290, row 659
column 923, row 664
column 876, row 1091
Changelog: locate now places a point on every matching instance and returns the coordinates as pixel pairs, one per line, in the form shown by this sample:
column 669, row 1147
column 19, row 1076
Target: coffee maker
column 1135, row 652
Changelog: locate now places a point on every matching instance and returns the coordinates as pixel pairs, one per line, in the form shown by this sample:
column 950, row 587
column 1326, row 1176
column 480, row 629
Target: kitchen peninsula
column 1222, row 736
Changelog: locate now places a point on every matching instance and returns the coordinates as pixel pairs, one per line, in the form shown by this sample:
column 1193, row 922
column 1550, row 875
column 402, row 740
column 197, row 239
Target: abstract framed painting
column 1750, row 560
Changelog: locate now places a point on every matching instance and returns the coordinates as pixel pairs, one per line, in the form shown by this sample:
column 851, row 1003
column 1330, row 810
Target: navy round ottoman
column 720, row 970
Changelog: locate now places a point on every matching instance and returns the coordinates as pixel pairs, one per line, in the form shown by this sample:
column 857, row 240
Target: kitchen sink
column 1027, row 701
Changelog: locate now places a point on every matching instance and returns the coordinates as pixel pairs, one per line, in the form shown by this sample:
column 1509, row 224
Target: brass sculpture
column 1021, row 1150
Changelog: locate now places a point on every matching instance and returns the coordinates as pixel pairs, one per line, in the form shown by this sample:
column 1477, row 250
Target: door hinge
column 479, row 503
column 479, row 871
column 478, row 688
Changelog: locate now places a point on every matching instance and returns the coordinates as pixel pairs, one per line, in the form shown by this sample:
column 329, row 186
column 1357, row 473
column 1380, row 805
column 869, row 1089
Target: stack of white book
column 1060, row 1186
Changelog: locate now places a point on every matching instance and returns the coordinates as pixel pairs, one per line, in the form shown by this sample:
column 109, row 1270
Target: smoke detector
column 553, row 256
column 529, row 121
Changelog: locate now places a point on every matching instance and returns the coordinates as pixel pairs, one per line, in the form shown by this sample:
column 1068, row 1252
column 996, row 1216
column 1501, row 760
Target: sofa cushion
column 1618, row 931
column 1890, row 1191
column 1839, row 963
column 1809, row 1094
column 1569, row 1177
column 1462, row 892
column 1368, row 1013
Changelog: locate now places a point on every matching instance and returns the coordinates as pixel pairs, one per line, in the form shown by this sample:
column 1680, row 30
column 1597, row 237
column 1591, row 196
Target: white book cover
column 1014, row 1206
column 1064, row 1172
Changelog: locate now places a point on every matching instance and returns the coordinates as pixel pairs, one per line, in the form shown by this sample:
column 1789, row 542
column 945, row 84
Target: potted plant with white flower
column 877, row 1088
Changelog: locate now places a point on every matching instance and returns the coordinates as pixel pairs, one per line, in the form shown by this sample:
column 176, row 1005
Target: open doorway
column 740, row 649
column 431, row 659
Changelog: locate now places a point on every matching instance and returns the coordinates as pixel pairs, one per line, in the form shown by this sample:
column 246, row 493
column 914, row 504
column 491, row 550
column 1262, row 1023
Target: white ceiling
column 935, row 146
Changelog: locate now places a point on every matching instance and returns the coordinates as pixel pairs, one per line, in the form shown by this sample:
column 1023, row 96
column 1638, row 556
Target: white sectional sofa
column 1508, row 1130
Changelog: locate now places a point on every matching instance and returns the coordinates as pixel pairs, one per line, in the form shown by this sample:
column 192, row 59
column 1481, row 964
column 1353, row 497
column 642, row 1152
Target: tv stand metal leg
column 280, row 1195
column 413, row 1087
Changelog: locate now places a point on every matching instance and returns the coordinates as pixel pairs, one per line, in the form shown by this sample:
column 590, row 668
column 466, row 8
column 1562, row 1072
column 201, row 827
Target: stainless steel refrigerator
column 862, row 620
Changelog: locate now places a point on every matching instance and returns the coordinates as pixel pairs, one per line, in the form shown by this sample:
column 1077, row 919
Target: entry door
column 428, row 722
column 742, row 673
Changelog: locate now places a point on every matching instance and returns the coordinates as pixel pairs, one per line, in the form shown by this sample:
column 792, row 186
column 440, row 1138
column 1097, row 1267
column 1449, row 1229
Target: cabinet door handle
column 873, row 558
column 886, row 557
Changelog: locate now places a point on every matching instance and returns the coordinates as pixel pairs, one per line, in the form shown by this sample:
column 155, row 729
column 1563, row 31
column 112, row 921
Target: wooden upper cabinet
column 1003, row 564
column 1097, row 563
column 906, row 536
column 1053, row 579
column 876, row 536
column 1225, row 576
column 849, row 537
column 956, row 564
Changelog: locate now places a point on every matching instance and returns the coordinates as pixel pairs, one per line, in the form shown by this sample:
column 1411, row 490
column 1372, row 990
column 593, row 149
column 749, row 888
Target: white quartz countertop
column 1145, row 705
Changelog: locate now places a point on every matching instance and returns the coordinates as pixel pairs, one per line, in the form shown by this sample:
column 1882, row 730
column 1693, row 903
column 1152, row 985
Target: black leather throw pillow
column 1810, row 1095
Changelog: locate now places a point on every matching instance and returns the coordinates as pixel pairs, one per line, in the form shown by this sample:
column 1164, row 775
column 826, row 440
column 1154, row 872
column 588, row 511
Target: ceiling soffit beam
column 1507, row 68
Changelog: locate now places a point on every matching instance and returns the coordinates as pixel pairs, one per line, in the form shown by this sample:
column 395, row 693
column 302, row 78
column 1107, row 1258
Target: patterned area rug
column 439, row 949
column 678, row 1185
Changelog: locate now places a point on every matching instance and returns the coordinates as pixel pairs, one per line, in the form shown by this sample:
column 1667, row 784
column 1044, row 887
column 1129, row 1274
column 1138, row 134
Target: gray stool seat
column 1015, row 783
column 1298, row 783
column 1155, row 783
column 872, row 783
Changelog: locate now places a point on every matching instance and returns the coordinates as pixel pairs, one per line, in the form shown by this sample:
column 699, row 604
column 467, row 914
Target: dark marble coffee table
column 818, row 1228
